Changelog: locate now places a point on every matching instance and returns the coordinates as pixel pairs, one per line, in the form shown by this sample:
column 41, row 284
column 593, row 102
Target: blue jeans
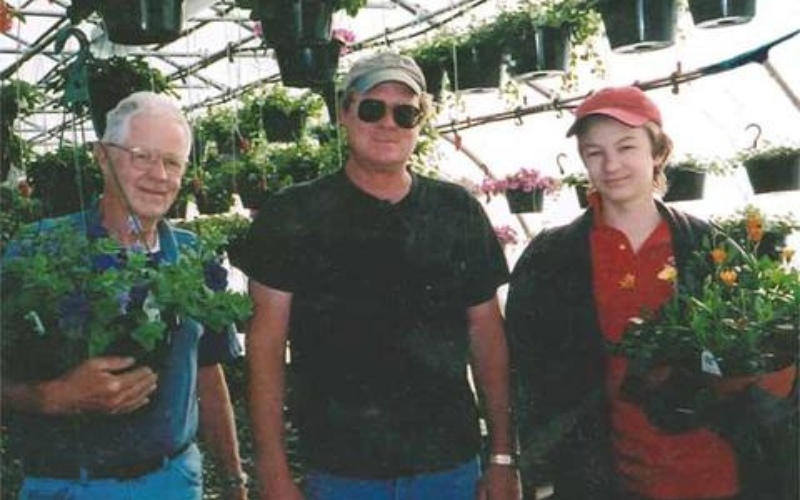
column 180, row 479
column 453, row 484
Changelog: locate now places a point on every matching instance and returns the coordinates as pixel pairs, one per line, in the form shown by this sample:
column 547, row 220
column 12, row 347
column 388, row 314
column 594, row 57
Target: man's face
column 149, row 164
column 381, row 144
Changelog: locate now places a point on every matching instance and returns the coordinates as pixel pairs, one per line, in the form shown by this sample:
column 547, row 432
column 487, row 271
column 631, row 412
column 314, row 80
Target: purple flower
column 74, row 312
column 216, row 276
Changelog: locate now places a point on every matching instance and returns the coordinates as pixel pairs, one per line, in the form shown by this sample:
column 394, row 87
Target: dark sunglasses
column 405, row 115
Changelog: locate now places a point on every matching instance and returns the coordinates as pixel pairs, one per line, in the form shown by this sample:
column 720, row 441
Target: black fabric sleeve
column 485, row 262
column 219, row 347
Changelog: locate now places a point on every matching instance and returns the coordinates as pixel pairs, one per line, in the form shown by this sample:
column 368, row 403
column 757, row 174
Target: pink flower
column 506, row 235
column 345, row 36
column 526, row 179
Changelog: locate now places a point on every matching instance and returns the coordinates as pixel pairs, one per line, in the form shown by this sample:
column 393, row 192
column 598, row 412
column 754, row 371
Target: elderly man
column 80, row 435
column 385, row 283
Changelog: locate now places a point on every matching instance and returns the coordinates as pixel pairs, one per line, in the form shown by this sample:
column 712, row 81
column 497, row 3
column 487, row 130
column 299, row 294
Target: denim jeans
column 454, row 484
column 180, row 479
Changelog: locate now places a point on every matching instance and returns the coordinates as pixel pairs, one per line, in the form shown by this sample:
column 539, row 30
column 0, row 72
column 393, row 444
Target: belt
column 64, row 470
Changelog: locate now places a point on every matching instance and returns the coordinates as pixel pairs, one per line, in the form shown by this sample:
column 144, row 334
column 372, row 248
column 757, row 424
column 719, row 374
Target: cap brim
column 367, row 82
column 625, row 117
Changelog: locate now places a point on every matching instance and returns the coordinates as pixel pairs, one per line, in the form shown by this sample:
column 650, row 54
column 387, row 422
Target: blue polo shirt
column 169, row 422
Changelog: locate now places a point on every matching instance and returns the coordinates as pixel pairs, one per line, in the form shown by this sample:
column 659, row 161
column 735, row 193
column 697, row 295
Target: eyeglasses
column 373, row 110
column 145, row 159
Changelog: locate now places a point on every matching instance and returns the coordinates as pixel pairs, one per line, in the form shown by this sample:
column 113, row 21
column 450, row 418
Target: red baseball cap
column 628, row 105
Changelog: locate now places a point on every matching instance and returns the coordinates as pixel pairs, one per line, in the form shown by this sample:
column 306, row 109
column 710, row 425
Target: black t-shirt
column 378, row 330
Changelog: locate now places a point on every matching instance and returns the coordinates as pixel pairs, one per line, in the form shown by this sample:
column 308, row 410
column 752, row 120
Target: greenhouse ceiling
column 709, row 97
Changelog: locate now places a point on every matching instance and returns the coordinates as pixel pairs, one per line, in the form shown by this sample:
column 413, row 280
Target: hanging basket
column 297, row 22
column 684, row 184
column 540, row 51
column 142, row 22
column 280, row 126
column 476, row 66
column 720, row 13
column 520, row 201
column 639, row 25
column 308, row 65
column 774, row 173
column 583, row 196
column 434, row 76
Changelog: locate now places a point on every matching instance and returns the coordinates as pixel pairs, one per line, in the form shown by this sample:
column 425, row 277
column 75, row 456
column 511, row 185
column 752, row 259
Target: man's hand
column 99, row 385
column 499, row 482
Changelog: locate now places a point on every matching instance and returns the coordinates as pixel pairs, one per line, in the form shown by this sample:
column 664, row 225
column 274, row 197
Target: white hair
column 145, row 102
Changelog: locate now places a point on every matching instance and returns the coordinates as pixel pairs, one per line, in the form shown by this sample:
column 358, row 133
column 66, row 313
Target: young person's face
column 619, row 160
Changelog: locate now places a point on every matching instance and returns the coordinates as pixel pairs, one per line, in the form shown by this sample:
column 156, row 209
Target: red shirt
column 695, row 464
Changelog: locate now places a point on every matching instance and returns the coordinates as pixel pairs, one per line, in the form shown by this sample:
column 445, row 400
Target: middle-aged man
column 385, row 282
column 84, row 434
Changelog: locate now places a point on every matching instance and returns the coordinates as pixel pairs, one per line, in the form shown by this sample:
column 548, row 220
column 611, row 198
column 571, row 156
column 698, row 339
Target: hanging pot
column 434, row 76
column 280, row 126
column 719, row 13
column 142, row 22
column 684, row 184
column 639, row 25
column 540, row 51
column 776, row 173
column 476, row 66
column 520, row 201
column 296, row 22
column 583, row 196
column 308, row 65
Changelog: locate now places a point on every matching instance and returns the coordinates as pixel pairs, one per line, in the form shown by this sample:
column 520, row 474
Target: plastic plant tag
column 708, row 363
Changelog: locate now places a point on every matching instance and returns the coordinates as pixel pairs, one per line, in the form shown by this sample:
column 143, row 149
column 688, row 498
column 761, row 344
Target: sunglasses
column 373, row 110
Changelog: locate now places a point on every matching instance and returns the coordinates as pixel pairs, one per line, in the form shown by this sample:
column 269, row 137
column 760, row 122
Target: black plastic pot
column 434, row 76
column 684, row 185
column 142, row 22
column 540, row 51
column 283, row 127
column 520, row 201
column 719, row 13
column 476, row 66
column 297, row 22
column 308, row 65
column 639, row 25
column 774, row 174
column 583, row 196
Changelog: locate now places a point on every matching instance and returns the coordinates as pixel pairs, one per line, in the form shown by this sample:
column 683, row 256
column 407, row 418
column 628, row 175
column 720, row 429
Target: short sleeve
column 485, row 262
column 272, row 251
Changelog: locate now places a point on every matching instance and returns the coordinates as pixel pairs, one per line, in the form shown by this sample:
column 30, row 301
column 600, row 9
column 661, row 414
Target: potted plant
column 253, row 175
column 548, row 37
column 218, row 132
column 70, row 295
column 64, row 181
column 17, row 208
column 16, row 98
column 686, row 177
column 773, row 168
column 580, row 182
column 751, row 226
column 133, row 23
column 478, row 59
column 433, row 56
column 639, row 25
column 721, row 13
column 733, row 321
column 309, row 64
column 524, row 189
column 212, row 185
column 283, row 116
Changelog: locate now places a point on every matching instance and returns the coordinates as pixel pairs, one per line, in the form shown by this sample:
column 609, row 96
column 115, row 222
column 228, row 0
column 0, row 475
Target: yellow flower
column 754, row 226
column 669, row 273
column 718, row 255
column 627, row 282
column 728, row 276
column 787, row 254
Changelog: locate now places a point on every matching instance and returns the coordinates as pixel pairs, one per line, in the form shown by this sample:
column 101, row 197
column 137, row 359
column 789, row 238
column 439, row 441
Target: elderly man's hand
column 102, row 384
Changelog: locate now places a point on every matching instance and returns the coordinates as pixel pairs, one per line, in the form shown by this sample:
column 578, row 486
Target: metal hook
column 518, row 116
column 758, row 134
column 558, row 162
column 63, row 35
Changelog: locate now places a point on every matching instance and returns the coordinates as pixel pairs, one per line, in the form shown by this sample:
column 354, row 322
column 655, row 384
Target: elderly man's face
column 381, row 144
column 150, row 164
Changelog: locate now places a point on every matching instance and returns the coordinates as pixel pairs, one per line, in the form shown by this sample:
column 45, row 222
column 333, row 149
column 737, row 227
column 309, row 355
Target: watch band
column 505, row 459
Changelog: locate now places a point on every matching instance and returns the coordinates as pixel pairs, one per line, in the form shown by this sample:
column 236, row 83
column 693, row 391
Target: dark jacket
column 559, row 357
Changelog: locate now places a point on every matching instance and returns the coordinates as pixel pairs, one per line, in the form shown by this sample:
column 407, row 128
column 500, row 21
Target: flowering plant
column 88, row 295
column 345, row 36
column 751, row 226
column 506, row 235
column 525, row 179
column 734, row 314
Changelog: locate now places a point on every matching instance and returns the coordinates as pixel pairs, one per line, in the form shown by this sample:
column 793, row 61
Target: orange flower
column 6, row 15
column 754, row 226
column 627, row 282
column 718, row 255
column 728, row 276
column 669, row 273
